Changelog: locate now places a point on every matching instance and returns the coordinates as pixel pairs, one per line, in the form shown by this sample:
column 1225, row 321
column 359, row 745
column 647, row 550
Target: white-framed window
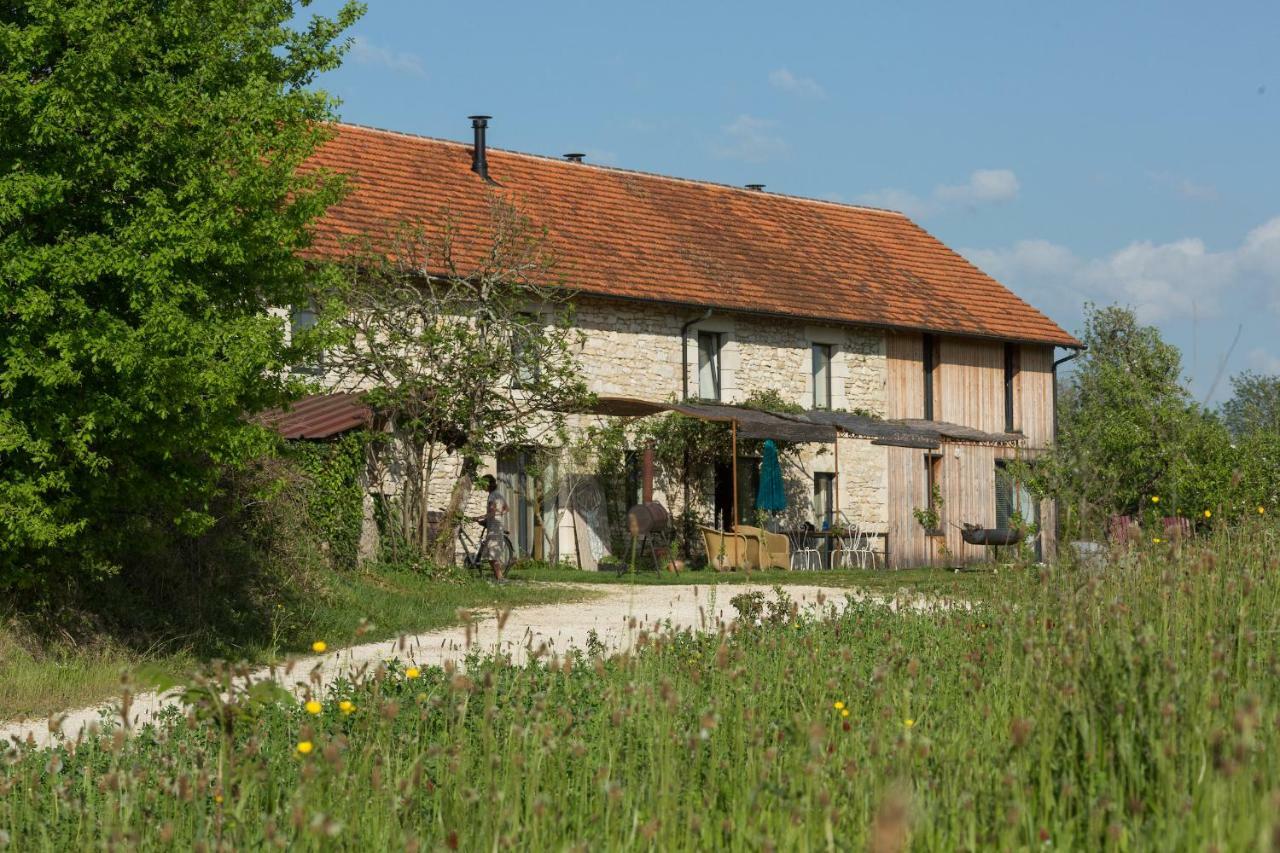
column 709, row 346
column 302, row 318
column 821, row 376
column 527, row 367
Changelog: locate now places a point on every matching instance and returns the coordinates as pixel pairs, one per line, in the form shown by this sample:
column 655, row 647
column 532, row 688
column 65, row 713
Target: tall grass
column 1131, row 706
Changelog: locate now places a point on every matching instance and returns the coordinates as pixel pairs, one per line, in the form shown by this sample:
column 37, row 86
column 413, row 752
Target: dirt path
column 616, row 616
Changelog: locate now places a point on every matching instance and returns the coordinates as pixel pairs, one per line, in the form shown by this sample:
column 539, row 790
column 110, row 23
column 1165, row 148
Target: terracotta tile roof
column 640, row 236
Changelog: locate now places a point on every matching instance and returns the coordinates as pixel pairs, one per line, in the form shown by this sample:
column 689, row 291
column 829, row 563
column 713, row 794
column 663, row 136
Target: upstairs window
column 822, row 376
column 303, row 318
column 1010, row 375
column 930, row 363
column 709, row 365
column 524, row 357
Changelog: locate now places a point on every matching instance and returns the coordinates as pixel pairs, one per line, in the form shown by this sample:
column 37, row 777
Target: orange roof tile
column 641, row 236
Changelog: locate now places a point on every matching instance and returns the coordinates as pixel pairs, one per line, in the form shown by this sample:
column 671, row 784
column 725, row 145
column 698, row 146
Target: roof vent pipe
column 574, row 157
column 757, row 187
column 479, row 163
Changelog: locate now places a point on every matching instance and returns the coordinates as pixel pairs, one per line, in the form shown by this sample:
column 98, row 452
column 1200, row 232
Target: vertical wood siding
column 971, row 379
column 904, row 391
column 907, row 490
column 1035, row 395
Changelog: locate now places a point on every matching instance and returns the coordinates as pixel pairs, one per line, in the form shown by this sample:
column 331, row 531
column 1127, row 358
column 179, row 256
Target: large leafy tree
column 1254, row 405
column 1128, row 429
column 151, row 210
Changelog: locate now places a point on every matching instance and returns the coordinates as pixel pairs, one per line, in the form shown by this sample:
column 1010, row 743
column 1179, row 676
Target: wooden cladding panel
column 969, row 488
column 1035, row 395
column 904, row 394
column 907, row 490
column 972, row 383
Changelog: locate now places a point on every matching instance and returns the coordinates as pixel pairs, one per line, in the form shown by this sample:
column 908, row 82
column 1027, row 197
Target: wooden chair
column 766, row 550
column 733, row 547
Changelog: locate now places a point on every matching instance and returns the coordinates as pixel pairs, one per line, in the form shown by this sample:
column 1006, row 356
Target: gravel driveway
column 616, row 614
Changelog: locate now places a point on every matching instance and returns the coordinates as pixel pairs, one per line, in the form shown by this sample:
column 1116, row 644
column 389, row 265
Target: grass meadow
column 1134, row 705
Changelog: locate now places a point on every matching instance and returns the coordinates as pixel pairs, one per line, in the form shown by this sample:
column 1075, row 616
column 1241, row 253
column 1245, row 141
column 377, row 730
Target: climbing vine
column 333, row 492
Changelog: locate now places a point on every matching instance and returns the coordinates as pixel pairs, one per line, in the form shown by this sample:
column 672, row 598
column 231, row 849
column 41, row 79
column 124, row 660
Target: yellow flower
column 346, row 706
column 908, row 722
column 839, row 706
column 412, row 672
column 1262, row 510
column 844, row 712
column 1155, row 539
column 217, row 798
column 1155, row 499
column 1208, row 514
column 313, row 707
column 304, row 747
column 319, row 646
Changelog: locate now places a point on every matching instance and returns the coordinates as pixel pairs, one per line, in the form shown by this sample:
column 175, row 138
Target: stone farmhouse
column 928, row 372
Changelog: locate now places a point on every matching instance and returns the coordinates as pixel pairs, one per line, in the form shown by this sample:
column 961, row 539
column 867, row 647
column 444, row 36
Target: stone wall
column 634, row 349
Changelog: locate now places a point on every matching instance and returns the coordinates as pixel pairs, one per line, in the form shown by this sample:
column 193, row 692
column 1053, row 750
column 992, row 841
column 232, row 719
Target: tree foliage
column 1254, row 405
column 465, row 345
column 1129, row 431
column 151, row 210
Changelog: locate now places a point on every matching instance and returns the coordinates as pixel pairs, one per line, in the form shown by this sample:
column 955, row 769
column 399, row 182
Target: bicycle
column 473, row 557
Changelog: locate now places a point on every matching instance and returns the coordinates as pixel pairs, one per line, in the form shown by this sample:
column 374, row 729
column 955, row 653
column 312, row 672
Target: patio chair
column 853, row 546
column 732, row 545
column 804, row 550
column 766, row 550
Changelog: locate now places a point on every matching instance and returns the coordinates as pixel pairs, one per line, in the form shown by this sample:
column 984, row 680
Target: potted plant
column 930, row 518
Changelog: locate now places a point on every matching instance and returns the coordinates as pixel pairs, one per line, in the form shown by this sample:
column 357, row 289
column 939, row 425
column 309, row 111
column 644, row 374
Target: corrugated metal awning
column 752, row 423
column 319, row 416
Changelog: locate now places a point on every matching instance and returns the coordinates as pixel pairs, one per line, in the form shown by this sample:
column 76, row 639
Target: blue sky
column 1113, row 152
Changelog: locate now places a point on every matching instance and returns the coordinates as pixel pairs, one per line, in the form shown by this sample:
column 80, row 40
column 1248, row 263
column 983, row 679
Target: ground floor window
column 532, row 503
column 824, row 494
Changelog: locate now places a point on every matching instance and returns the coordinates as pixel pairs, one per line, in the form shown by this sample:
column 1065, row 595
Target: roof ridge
column 604, row 167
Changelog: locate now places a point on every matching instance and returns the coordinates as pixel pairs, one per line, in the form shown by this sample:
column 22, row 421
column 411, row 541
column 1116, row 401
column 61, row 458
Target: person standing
column 495, row 533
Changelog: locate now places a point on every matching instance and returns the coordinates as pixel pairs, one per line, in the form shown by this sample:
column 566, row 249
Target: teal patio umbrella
column 771, row 496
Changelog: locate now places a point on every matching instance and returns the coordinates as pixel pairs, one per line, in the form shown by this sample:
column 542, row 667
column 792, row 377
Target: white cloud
column 366, row 52
column 750, row 139
column 802, row 87
column 1264, row 362
column 1162, row 281
column 985, row 186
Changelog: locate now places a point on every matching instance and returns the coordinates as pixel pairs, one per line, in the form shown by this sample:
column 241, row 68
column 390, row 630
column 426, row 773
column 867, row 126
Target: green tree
column 151, row 211
column 1254, row 405
column 464, row 343
column 1128, row 428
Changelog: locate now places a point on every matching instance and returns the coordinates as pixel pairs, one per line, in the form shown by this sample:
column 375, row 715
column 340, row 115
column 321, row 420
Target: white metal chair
column 853, row 546
column 804, row 550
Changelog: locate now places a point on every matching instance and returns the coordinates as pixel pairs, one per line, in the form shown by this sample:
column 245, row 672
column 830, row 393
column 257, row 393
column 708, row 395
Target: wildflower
column 908, row 722
column 313, row 707
column 346, row 706
column 839, row 706
column 304, row 747
column 1208, row 514
column 319, row 646
column 1155, row 539
column 1155, row 499
column 844, row 712
column 412, row 672
column 1262, row 510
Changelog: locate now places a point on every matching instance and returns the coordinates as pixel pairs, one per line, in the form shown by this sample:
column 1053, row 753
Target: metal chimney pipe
column 479, row 163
